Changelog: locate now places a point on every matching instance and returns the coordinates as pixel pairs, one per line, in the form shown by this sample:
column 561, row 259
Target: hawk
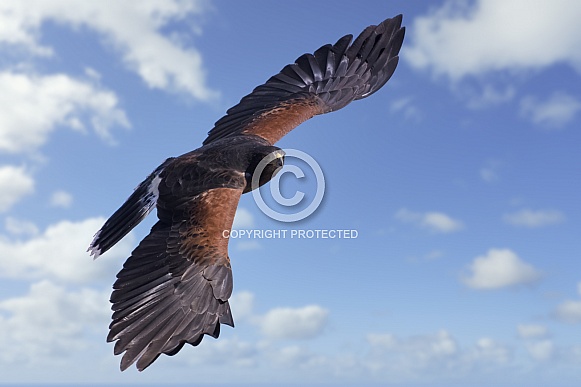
column 175, row 286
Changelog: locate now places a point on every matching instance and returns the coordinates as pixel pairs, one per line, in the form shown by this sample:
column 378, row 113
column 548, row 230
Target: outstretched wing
column 316, row 83
column 175, row 286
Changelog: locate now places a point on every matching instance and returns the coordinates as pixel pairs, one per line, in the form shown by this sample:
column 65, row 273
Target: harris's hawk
column 175, row 286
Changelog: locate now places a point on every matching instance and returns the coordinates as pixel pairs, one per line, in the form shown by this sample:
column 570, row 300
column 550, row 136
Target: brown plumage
column 175, row 286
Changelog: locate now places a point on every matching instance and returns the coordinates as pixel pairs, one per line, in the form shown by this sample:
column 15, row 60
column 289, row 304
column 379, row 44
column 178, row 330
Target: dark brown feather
column 275, row 123
column 186, row 295
column 316, row 83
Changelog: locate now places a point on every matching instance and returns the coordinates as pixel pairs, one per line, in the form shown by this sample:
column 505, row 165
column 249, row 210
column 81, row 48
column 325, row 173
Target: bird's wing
column 316, row 83
column 175, row 286
column 130, row 214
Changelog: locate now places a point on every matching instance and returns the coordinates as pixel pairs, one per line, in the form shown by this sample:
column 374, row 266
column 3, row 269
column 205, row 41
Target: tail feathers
column 130, row 214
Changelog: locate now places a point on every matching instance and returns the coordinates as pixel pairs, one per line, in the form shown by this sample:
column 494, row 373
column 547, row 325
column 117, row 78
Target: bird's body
column 175, row 286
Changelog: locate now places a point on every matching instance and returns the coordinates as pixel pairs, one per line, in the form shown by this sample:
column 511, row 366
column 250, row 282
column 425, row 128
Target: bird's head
column 265, row 163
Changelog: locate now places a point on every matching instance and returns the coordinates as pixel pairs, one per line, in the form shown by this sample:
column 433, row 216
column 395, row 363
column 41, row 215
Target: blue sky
column 460, row 177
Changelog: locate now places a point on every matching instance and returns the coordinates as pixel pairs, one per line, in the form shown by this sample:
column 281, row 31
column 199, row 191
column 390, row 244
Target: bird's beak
column 279, row 158
column 280, row 161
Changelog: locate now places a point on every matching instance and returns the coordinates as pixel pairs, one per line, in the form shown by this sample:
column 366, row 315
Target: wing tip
column 94, row 249
column 396, row 20
column 145, row 358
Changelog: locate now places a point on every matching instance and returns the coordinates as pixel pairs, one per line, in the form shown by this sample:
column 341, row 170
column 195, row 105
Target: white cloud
column 384, row 340
column 554, row 112
column 538, row 346
column 132, row 28
column 569, row 311
column 489, row 173
column 49, row 322
column 242, row 305
column 280, row 323
column 20, row 227
column 437, row 355
column 429, row 256
column 238, row 354
column 406, row 107
column 61, row 199
column 424, row 348
column 531, row 331
column 233, row 353
column 439, row 222
column 15, row 183
column 243, row 219
column 59, row 253
column 248, row 246
column 489, row 351
column 294, row 323
column 298, row 357
column 291, row 356
column 533, row 219
column 39, row 104
column 541, row 350
column 434, row 221
column 500, row 268
column 489, row 96
column 277, row 324
column 519, row 34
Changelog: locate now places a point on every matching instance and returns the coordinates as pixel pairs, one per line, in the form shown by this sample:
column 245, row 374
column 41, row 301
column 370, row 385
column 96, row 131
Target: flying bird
column 175, row 286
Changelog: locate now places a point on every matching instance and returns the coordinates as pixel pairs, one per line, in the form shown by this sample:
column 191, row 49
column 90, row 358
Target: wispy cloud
column 489, row 96
column 242, row 304
column 430, row 256
column 243, row 219
column 528, row 331
column 61, row 199
column 437, row 222
column 247, row 245
column 488, row 174
column 534, row 219
column 554, row 112
column 19, row 227
column 407, row 108
column 435, row 354
column 570, row 311
column 541, row 350
column 490, row 171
